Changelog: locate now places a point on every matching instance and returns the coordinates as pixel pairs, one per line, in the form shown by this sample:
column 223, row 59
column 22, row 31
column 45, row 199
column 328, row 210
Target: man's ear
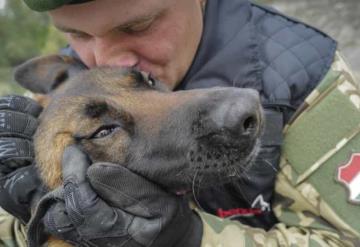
column 46, row 73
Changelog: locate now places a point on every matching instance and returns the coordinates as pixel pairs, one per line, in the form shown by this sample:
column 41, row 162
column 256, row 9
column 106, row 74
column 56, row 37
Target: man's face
column 157, row 36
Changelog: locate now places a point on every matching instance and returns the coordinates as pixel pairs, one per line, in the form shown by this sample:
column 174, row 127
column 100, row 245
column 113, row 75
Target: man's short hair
column 45, row 5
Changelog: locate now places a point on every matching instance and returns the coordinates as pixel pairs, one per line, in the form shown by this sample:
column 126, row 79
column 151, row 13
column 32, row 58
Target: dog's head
column 122, row 116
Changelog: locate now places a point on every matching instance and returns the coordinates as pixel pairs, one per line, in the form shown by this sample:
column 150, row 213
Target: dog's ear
column 46, row 73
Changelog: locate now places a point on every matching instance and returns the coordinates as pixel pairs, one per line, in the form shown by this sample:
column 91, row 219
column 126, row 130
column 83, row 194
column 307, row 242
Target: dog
column 176, row 139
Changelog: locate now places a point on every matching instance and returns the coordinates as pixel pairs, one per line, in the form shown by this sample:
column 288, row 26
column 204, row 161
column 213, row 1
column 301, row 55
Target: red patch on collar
column 238, row 212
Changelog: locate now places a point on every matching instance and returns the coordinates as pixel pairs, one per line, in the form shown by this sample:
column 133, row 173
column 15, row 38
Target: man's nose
column 111, row 53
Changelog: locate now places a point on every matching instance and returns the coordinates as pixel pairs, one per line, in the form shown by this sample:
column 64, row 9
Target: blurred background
column 25, row 34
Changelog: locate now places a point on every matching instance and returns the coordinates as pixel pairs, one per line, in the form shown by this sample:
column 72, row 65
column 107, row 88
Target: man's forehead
column 103, row 14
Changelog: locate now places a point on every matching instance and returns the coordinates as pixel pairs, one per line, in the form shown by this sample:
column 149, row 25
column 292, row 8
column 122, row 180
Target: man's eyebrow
column 66, row 29
column 124, row 26
column 137, row 21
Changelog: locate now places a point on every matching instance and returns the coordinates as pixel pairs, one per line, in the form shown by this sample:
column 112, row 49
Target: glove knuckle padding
column 15, row 153
column 20, row 104
column 17, row 124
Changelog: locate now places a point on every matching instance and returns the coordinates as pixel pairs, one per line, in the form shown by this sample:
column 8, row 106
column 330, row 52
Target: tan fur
column 42, row 99
column 49, row 160
column 53, row 242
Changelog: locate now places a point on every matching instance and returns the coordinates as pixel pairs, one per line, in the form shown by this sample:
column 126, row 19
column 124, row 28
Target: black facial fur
column 95, row 109
column 139, row 80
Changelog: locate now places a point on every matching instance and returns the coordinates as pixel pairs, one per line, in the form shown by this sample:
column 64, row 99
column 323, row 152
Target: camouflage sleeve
column 12, row 232
column 313, row 207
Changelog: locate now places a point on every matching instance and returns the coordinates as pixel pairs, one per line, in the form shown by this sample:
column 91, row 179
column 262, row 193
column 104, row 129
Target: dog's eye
column 148, row 78
column 151, row 81
column 105, row 131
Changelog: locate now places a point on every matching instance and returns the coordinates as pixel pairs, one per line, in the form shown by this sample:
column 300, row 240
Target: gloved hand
column 19, row 181
column 132, row 211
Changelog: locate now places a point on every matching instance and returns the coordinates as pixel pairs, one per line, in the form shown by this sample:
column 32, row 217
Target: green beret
column 45, row 5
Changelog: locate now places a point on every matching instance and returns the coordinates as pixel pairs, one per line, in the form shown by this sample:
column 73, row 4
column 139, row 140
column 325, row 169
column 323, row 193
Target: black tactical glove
column 131, row 211
column 19, row 181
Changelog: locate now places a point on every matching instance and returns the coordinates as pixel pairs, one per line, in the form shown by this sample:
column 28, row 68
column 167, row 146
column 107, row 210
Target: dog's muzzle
column 227, row 131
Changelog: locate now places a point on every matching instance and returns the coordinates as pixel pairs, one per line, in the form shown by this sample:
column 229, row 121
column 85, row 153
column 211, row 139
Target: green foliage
column 23, row 34
column 54, row 41
column 7, row 83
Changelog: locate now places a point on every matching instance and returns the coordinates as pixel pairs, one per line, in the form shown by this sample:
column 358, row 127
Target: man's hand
column 132, row 211
column 19, row 181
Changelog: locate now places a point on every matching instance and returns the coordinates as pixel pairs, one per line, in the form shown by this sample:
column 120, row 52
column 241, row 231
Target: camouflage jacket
column 317, row 190
column 317, row 199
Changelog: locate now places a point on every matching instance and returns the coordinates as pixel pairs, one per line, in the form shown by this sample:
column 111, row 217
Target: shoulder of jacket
column 295, row 55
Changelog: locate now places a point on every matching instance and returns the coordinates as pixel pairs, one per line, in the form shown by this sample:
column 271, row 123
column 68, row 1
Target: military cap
column 45, row 5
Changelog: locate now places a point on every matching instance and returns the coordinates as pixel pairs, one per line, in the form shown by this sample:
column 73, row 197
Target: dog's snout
column 236, row 115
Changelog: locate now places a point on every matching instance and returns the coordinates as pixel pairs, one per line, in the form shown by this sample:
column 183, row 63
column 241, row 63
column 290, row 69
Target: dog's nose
column 239, row 113
column 236, row 116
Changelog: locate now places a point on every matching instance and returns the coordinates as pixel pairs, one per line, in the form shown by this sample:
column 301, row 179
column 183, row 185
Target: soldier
column 197, row 44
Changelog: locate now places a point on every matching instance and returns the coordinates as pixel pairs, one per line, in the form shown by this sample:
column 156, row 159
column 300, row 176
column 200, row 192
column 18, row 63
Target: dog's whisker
column 194, row 193
column 179, row 174
column 271, row 165
column 240, row 189
column 197, row 183
column 200, row 179
column 193, row 183
column 267, row 162
column 244, row 173
column 238, row 173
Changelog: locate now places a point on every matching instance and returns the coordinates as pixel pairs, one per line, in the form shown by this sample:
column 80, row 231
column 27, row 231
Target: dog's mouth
column 218, row 158
column 216, row 165
column 208, row 157
column 218, row 155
